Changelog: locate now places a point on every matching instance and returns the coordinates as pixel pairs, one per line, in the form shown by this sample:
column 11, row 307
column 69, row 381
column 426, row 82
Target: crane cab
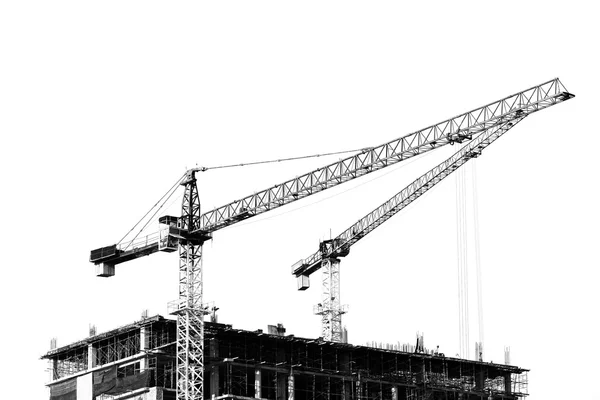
column 167, row 242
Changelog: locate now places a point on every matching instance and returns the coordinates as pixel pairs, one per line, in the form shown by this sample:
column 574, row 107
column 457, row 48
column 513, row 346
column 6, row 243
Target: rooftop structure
column 137, row 361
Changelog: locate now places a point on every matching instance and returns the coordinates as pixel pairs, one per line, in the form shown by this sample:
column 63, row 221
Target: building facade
column 137, row 361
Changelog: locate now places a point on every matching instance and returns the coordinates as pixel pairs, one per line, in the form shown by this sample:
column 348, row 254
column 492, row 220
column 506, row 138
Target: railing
column 140, row 242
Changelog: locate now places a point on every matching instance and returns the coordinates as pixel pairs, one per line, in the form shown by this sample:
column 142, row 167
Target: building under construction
column 138, row 361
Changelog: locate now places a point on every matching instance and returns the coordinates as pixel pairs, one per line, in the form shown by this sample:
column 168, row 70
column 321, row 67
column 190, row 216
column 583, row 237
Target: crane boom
column 458, row 129
column 340, row 245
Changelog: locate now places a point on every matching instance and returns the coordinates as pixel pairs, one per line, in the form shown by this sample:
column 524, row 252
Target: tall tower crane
column 330, row 251
column 187, row 233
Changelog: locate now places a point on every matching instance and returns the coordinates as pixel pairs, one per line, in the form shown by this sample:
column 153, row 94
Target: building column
column 143, row 347
column 85, row 386
column 91, row 356
column 213, row 352
column 214, row 381
column 346, row 366
column 290, row 387
column 347, row 390
column 54, row 371
column 507, row 383
column 281, row 388
column 479, row 378
column 257, row 383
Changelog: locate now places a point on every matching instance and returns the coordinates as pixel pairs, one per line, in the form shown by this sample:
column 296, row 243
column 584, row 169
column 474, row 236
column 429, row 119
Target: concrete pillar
column 290, row 387
column 214, row 381
column 420, row 378
column 85, row 386
column 281, row 388
column 507, row 383
column 91, row 356
column 143, row 347
column 344, row 361
column 54, row 372
column 257, row 383
column 144, row 338
column 347, row 390
column 155, row 393
column 479, row 379
column 213, row 352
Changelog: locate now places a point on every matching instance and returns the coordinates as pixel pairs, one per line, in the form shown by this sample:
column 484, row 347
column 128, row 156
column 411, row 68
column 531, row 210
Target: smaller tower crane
column 330, row 251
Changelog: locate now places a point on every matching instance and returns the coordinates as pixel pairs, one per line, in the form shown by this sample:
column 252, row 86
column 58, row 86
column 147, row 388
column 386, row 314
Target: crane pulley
column 187, row 233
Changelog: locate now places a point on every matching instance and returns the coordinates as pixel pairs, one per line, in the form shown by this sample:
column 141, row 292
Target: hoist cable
column 171, row 190
column 283, row 159
column 466, row 266
column 477, row 252
column 462, row 264
column 459, row 269
column 151, row 218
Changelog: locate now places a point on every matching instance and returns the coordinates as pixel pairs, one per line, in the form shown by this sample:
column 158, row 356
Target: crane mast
column 330, row 309
column 189, row 311
column 187, row 233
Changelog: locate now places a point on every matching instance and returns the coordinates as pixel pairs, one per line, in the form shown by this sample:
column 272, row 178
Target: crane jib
column 340, row 246
column 454, row 130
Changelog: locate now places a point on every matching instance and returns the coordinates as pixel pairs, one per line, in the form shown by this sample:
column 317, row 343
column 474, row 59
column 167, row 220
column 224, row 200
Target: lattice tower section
column 330, row 309
column 190, row 318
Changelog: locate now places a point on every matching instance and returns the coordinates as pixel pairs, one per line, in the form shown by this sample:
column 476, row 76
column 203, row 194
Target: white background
column 103, row 105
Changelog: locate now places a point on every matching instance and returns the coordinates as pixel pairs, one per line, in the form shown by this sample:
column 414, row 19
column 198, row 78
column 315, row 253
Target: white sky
column 104, row 104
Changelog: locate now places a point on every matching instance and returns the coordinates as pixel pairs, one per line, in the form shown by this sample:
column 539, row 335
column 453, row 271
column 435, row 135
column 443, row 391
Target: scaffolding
column 116, row 347
column 69, row 362
column 329, row 371
column 254, row 364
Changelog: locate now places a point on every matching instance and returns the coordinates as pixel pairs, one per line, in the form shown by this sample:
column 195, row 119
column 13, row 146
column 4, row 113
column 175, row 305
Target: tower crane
column 330, row 251
column 187, row 233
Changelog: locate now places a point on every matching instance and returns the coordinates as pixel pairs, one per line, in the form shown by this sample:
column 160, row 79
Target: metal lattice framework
column 193, row 228
column 457, row 129
column 340, row 246
column 190, row 314
column 117, row 348
column 70, row 363
column 330, row 309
